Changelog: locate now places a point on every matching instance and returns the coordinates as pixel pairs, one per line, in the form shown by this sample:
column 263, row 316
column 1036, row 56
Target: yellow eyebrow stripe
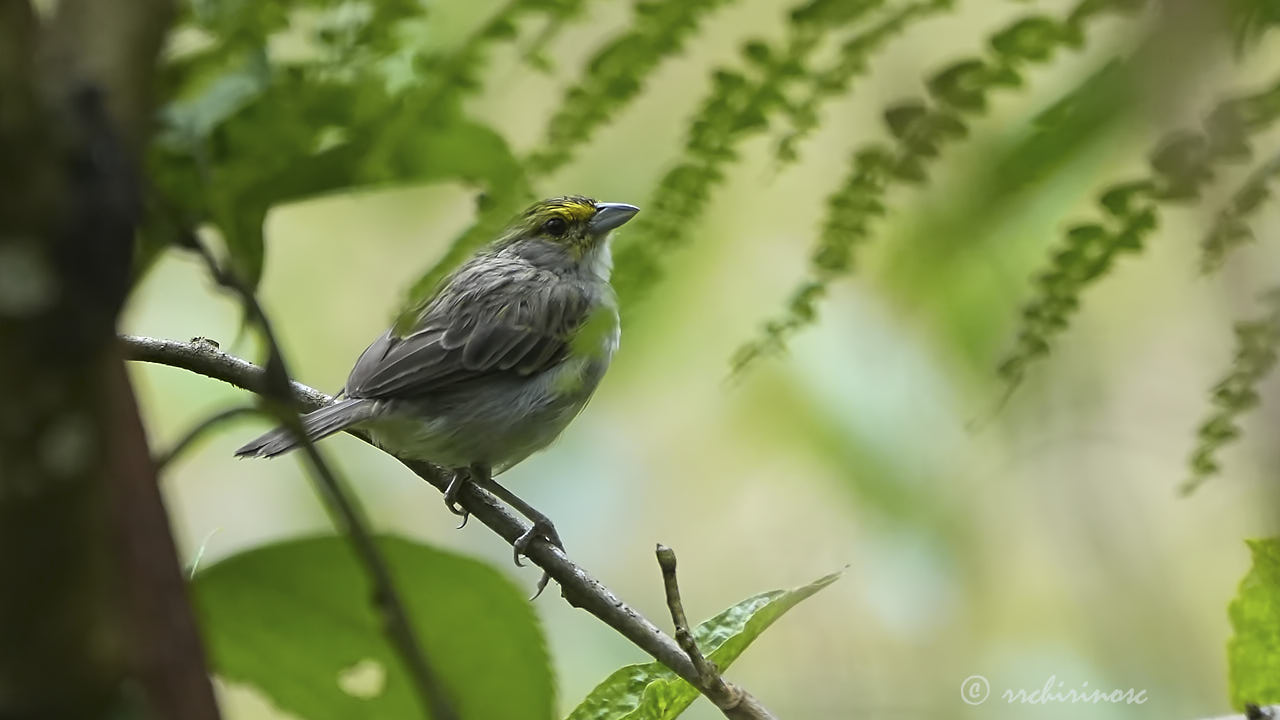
column 572, row 209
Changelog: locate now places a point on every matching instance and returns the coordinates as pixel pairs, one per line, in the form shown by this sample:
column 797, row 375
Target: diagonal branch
column 579, row 588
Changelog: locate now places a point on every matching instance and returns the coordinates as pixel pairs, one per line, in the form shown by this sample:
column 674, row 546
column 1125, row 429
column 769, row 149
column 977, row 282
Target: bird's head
column 574, row 223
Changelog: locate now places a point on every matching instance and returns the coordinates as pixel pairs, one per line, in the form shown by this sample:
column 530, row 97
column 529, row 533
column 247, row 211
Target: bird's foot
column 542, row 528
column 547, row 531
column 459, row 480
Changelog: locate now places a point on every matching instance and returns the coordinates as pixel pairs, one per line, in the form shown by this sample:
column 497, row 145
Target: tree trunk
column 94, row 618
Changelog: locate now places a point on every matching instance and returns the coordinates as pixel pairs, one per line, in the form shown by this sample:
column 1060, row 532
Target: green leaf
column 1253, row 653
column 1033, row 38
column 903, row 117
column 963, row 85
column 246, row 127
column 194, row 118
column 652, row 692
column 295, row 619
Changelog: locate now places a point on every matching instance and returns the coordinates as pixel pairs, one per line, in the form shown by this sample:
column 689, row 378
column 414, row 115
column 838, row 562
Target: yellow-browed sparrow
column 501, row 358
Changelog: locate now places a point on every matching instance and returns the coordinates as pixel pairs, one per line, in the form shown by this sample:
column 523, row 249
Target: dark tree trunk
column 94, row 617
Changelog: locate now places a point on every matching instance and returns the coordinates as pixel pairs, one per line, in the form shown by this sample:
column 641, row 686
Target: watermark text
column 975, row 690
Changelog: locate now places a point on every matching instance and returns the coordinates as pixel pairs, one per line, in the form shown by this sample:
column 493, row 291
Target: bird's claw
column 542, row 585
column 547, row 532
column 451, row 497
column 481, row 476
column 544, row 530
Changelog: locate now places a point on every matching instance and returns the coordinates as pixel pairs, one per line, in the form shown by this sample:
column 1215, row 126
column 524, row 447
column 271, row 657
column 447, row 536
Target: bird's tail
column 318, row 424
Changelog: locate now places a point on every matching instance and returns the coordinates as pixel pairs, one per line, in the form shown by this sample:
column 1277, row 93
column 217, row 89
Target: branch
column 731, row 700
column 579, row 588
column 202, row 356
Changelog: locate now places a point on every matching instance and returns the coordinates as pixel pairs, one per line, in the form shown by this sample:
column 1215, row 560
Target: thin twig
column 162, row 460
column 343, row 506
column 731, row 700
column 579, row 588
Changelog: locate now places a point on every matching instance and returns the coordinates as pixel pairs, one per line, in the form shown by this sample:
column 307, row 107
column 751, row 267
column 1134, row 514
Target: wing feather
column 499, row 318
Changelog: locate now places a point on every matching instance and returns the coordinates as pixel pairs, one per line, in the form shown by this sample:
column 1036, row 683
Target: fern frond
column 921, row 128
column 850, row 211
column 616, row 74
column 852, row 61
column 1257, row 341
column 448, row 76
column 1231, row 226
column 558, row 14
column 741, row 103
column 1180, row 166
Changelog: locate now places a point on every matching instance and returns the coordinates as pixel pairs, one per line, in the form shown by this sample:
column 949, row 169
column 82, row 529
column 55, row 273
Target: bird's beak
column 609, row 216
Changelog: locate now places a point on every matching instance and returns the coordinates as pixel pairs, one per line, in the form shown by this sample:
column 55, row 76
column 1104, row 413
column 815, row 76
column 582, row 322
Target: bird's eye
column 555, row 227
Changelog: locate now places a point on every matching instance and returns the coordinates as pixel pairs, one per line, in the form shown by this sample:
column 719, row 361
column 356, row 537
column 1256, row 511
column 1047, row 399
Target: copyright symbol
column 974, row 690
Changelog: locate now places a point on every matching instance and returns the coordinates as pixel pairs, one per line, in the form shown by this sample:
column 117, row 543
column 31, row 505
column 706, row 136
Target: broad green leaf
column 1253, row 653
column 188, row 120
column 295, row 620
column 266, row 104
column 652, row 692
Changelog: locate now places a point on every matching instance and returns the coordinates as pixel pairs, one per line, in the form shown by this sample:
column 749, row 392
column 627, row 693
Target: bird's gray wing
column 491, row 319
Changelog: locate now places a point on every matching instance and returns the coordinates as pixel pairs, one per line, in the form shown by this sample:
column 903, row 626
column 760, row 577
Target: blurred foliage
column 1253, row 18
column 1254, row 650
column 741, row 102
column 1080, row 115
column 853, row 60
column 615, row 75
column 652, row 692
column 1231, row 227
column 294, row 619
column 275, row 102
column 1256, row 344
column 920, row 128
column 1181, row 165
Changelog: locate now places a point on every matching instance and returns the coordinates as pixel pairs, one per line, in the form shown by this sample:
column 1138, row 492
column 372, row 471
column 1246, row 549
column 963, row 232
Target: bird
column 496, row 362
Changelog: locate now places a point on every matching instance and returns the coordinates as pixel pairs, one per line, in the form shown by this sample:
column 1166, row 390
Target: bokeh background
column 1038, row 537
